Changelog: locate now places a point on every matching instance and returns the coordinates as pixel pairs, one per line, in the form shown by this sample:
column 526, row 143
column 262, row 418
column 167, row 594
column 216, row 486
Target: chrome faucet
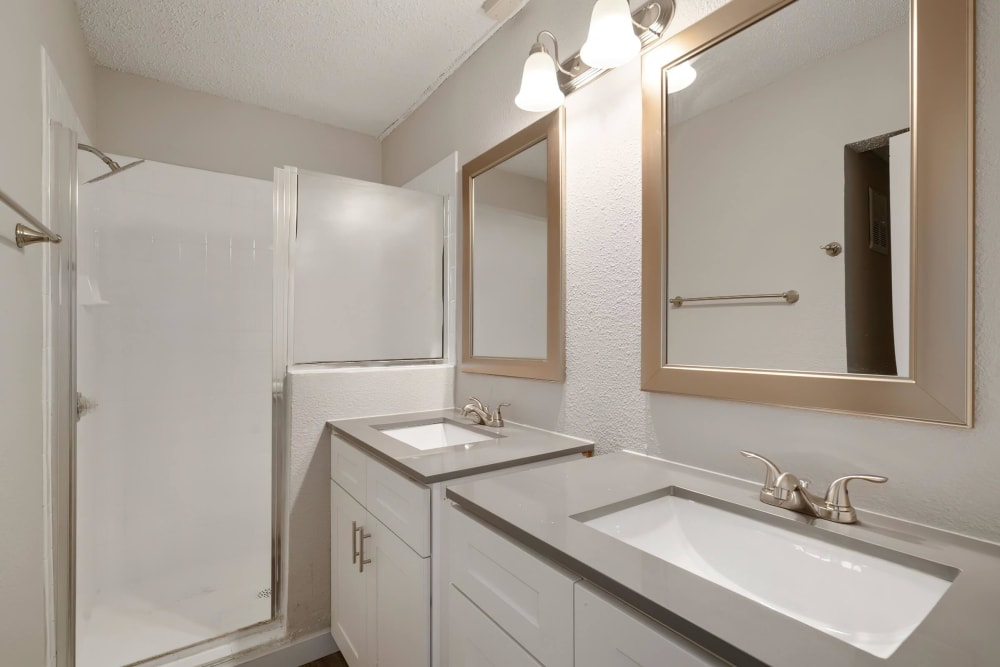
column 785, row 490
column 480, row 413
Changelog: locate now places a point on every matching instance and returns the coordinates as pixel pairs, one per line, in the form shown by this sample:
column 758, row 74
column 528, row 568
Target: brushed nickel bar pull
column 364, row 561
column 354, row 541
column 23, row 234
column 791, row 296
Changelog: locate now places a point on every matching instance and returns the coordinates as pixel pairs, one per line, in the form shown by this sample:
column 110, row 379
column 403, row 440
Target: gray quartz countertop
column 536, row 507
column 512, row 445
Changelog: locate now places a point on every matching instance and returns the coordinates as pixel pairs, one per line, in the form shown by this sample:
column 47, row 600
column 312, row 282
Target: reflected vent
column 878, row 222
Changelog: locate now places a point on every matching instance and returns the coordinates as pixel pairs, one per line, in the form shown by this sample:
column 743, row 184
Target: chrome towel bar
column 23, row 234
column 791, row 296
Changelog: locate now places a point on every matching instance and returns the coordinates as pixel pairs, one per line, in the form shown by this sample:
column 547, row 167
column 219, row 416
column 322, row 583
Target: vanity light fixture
column 539, row 85
column 615, row 37
column 611, row 41
column 680, row 77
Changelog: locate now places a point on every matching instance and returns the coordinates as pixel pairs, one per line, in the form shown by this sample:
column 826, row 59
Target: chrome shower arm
column 112, row 165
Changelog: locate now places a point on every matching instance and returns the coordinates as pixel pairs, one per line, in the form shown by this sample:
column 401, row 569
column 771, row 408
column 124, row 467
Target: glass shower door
column 174, row 441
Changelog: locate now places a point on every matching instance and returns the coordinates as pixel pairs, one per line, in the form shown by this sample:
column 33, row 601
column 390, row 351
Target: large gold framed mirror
column 808, row 207
column 512, row 256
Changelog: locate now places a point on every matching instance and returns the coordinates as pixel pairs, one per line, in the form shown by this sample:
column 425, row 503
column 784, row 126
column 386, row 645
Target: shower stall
column 195, row 291
column 175, row 463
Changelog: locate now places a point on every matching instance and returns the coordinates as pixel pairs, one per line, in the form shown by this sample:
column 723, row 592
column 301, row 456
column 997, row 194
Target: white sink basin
column 437, row 435
column 862, row 599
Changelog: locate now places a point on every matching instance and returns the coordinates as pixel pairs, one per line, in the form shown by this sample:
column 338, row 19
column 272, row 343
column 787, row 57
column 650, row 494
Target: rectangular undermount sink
column 436, row 435
column 862, row 594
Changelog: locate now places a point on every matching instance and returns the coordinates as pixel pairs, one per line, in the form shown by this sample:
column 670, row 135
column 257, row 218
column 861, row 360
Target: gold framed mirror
column 808, row 207
column 512, row 256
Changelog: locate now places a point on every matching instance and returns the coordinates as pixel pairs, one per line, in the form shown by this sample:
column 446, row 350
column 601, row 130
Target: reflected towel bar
column 23, row 234
column 791, row 296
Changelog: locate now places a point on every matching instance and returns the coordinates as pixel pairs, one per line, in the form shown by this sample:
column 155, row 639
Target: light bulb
column 539, row 84
column 612, row 40
column 680, row 77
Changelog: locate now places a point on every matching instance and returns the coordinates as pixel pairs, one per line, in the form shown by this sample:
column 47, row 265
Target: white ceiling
column 361, row 65
column 786, row 41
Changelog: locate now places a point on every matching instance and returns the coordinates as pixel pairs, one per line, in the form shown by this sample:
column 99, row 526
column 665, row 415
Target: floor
column 335, row 660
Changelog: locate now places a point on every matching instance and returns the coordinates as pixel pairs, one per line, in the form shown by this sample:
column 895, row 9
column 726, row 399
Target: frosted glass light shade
column 612, row 40
column 680, row 77
column 539, row 85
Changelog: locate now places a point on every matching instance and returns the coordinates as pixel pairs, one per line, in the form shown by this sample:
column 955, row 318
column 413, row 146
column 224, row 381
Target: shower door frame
column 61, row 574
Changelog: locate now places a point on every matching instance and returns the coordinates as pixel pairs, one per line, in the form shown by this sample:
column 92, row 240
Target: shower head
column 114, row 170
column 112, row 165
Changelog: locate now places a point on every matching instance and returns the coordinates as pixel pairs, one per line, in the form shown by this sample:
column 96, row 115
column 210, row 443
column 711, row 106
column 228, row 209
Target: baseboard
column 298, row 652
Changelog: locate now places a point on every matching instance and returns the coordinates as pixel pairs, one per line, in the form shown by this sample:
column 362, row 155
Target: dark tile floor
column 335, row 660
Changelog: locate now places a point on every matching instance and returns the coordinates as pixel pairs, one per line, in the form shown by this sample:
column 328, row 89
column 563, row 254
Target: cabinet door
column 348, row 590
column 531, row 599
column 474, row 640
column 399, row 600
column 610, row 634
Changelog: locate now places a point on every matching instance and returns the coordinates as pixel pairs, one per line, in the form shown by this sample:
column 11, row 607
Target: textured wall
column 159, row 121
column 314, row 397
column 940, row 476
column 25, row 27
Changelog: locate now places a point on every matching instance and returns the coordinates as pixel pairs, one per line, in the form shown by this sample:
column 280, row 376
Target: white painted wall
column 940, row 476
column 159, row 121
column 756, row 187
column 26, row 27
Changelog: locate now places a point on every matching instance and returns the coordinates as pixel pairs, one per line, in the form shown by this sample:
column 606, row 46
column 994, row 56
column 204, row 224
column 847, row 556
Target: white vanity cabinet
column 389, row 598
column 510, row 606
column 380, row 584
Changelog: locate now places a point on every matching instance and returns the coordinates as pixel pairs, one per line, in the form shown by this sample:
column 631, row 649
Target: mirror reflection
column 789, row 176
column 509, row 257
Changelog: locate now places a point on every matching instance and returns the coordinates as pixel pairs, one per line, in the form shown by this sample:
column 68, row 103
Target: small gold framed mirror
column 808, row 207
column 512, row 256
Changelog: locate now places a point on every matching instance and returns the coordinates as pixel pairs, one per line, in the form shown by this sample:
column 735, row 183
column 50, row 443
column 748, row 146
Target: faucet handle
column 836, row 495
column 773, row 472
column 479, row 404
column 497, row 417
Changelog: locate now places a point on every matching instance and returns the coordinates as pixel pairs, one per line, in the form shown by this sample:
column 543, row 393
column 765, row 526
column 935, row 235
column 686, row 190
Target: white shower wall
column 174, row 466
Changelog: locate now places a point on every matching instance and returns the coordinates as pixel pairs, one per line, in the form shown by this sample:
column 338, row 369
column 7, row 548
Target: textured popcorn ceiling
column 359, row 65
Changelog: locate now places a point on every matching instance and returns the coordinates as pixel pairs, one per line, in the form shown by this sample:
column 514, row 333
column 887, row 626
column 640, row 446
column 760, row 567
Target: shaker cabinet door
column 348, row 585
column 610, row 634
column 474, row 640
column 399, row 600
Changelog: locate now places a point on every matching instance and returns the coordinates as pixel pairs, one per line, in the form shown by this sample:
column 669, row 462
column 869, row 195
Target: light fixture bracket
column 651, row 20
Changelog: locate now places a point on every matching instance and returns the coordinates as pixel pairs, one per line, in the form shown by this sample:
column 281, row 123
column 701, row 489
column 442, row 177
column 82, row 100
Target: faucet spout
column 477, row 413
column 480, row 413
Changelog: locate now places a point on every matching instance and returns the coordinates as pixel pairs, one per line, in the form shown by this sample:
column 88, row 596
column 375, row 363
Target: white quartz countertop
column 538, row 507
column 512, row 445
